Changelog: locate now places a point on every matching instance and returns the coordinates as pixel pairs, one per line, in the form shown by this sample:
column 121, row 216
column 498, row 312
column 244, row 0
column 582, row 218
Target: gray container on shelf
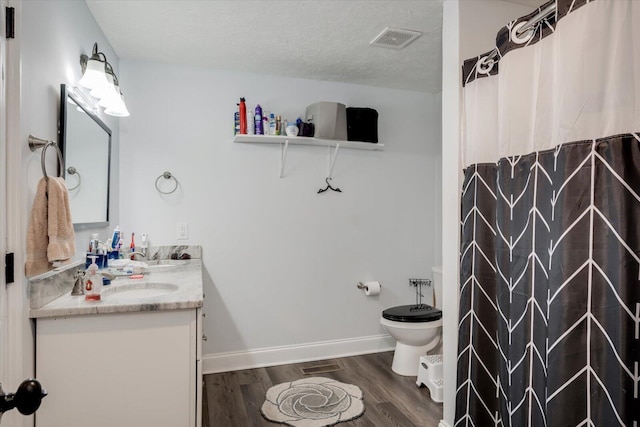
column 329, row 119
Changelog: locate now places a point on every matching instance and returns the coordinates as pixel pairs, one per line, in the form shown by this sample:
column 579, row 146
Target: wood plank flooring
column 233, row 399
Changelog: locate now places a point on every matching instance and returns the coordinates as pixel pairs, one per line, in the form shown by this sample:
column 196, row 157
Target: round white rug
column 313, row 402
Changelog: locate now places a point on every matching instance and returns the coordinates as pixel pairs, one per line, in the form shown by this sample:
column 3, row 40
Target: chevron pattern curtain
column 549, row 330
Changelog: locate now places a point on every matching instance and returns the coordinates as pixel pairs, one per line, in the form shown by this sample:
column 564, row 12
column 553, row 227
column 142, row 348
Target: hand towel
column 37, row 238
column 50, row 235
column 62, row 245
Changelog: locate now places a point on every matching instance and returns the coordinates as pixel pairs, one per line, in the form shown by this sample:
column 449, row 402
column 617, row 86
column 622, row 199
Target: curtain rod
column 539, row 17
column 544, row 13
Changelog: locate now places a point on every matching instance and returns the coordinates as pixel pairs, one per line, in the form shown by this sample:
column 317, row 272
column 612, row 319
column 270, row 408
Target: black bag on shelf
column 362, row 124
column 306, row 129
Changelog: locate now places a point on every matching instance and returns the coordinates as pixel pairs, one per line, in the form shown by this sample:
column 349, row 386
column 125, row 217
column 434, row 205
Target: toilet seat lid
column 412, row 313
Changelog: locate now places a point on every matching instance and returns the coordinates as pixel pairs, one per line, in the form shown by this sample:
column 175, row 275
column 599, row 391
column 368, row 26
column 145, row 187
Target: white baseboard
column 443, row 424
column 273, row 356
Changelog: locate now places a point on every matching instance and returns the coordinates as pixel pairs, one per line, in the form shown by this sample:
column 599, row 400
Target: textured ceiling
column 313, row 39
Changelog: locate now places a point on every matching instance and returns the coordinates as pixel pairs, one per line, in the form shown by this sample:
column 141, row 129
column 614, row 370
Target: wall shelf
column 302, row 140
column 284, row 142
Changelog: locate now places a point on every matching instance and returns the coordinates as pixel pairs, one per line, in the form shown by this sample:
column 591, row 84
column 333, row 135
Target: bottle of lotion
column 272, row 124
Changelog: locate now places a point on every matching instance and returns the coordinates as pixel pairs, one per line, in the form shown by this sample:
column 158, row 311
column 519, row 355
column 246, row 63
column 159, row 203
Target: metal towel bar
column 36, row 143
column 73, row 171
column 167, row 175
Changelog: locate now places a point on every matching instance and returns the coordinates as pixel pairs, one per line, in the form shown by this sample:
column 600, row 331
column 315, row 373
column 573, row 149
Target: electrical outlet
column 182, row 231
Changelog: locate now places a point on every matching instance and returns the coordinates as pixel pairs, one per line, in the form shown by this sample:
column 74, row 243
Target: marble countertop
column 184, row 279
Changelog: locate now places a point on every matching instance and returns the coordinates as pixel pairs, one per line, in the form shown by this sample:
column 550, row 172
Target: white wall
column 281, row 261
column 469, row 29
column 55, row 34
column 50, row 36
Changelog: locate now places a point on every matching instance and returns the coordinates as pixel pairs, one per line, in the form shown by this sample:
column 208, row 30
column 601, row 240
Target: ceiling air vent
column 395, row 38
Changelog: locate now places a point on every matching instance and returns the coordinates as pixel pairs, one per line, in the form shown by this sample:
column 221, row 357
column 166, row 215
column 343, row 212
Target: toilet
column 416, row 329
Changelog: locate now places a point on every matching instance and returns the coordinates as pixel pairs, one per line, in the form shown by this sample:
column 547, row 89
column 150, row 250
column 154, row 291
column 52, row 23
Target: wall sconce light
column 99, row 77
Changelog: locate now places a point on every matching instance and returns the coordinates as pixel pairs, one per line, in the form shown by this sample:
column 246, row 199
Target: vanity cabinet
column 126, row 369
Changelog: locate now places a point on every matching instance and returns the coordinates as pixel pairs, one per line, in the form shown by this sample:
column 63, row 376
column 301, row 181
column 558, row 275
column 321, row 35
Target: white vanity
column 131, row 359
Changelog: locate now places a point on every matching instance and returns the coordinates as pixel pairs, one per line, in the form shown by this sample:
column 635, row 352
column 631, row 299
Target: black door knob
column 29, row 396
column 26, row 399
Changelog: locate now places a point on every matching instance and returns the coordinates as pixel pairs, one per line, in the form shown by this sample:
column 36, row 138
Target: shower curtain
column 549, row 328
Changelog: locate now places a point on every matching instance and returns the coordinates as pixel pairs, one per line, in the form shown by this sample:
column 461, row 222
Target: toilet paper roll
column 372, row 288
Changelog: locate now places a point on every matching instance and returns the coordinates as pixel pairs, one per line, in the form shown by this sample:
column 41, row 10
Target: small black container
column 362, row 124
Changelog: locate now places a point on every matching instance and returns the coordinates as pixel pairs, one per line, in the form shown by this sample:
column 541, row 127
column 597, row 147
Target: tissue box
column 362, row 124
column 329, row 120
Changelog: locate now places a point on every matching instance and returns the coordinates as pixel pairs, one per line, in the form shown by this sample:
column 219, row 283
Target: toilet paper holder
column 361, row 285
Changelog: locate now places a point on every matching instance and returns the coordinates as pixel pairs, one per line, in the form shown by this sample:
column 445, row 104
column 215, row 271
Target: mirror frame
column 64, row 93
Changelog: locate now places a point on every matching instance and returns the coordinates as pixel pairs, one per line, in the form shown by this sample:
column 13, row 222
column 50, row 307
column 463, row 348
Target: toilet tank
column 437, row 285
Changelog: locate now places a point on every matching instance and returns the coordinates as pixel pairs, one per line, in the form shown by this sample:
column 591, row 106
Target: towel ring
column 167, row 175
column 36, row 143
column 73, row 171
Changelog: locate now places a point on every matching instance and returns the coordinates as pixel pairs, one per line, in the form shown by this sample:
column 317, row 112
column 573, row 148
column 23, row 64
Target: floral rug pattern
column 313, row 402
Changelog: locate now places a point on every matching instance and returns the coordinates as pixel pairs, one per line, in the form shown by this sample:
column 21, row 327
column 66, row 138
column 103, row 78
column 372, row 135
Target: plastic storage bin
column 329, row 120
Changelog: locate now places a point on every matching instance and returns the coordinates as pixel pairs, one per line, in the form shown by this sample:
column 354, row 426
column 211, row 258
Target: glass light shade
column 111, row 95
column 119, row 109
column 94, row 75
column 102, row 90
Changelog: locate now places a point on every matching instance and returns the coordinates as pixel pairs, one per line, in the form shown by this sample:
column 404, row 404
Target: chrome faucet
column 142, row 253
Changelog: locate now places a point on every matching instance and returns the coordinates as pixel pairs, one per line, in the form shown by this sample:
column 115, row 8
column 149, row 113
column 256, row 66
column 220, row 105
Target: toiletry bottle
column 144, row 244
column 251, row 124
column 279, row 125
column 93, row 243
column 132, row 246
column 258, row 120
column 272, row 124
column 243, row 117
column 116, row 237
column 92, row 282
column 236, row 121
column 119, row 244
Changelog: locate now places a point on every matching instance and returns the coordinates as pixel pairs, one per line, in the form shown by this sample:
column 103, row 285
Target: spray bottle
column 243, row 117
column 251, row 124
column 258, row 120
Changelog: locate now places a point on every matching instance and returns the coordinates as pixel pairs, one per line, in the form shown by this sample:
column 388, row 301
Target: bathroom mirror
column 86, row 147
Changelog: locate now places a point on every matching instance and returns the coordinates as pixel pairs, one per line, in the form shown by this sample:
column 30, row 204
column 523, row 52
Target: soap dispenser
column 144, row 245
column 92, row 282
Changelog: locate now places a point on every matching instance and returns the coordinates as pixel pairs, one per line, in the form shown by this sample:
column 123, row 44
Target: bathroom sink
column 139, row 290
column 163, row 263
